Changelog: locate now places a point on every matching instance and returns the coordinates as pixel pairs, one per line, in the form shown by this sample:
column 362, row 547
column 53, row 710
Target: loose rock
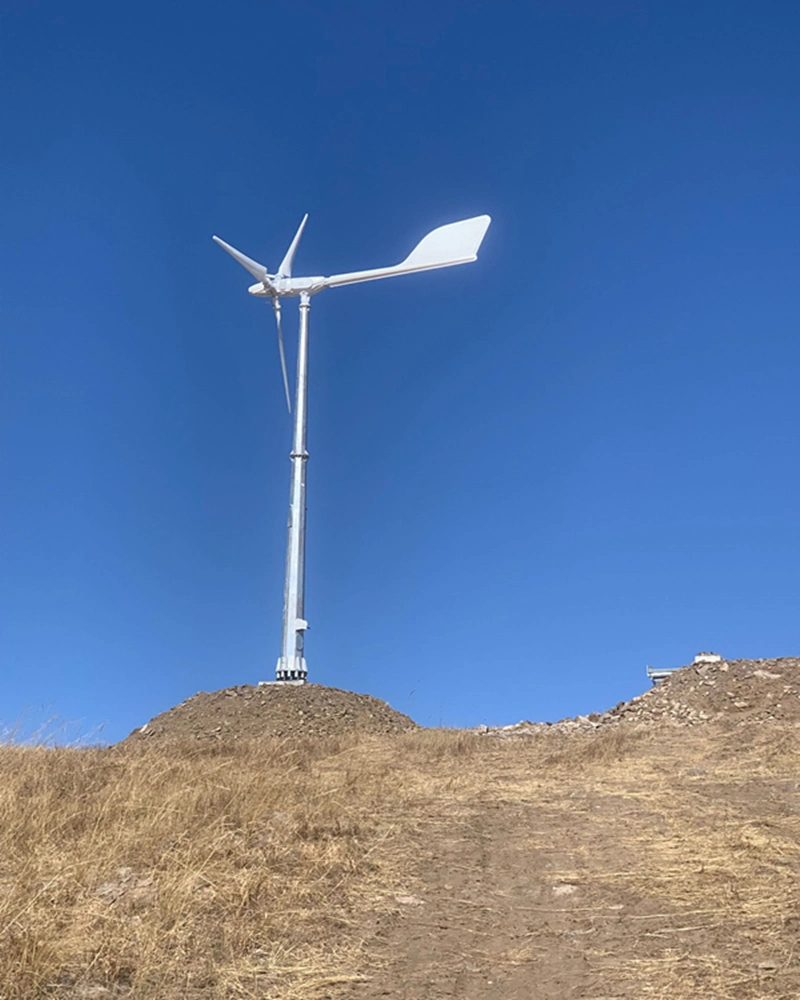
column 245, row 712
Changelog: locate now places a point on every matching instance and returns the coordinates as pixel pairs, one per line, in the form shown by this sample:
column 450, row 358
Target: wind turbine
column 456, row 243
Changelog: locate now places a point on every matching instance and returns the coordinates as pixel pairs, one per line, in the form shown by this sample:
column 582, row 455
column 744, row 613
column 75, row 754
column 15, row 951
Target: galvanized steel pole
column 291, row 663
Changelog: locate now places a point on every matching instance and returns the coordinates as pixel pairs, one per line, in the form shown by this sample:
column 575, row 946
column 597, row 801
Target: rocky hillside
column 734, row 691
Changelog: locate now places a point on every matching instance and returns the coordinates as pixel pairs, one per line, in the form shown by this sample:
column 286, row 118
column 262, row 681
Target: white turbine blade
column 456, row 243
column 256, row 269
column 285, row 270
column 276, row 306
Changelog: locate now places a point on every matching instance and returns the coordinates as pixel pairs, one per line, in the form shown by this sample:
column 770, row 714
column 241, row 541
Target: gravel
column 246, row 712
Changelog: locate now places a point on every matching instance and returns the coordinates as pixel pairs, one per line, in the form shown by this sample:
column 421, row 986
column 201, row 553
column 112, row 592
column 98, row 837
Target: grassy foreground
column 260, row 870
column 230, row 870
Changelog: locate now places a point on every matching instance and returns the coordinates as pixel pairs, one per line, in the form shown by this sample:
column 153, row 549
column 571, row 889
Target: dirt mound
column 731, row 690
column 245, row 712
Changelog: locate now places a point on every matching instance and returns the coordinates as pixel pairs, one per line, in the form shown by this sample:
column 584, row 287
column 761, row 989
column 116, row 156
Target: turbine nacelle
column 286, row 287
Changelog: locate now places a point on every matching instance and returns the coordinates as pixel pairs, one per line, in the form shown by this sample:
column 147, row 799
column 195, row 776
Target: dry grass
column 229, row 872
column 257, row 871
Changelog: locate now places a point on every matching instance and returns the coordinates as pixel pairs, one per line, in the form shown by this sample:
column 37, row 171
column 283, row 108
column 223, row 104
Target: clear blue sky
column 529, row 476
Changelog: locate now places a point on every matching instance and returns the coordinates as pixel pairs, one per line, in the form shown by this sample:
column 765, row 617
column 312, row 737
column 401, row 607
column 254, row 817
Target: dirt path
column 489, row 912
column 622, row 879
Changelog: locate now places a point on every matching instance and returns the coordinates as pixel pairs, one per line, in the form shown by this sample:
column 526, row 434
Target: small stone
column 564, row 889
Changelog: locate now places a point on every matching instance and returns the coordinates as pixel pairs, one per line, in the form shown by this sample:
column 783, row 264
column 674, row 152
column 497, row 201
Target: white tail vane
column 456, row 243
column 276, row 308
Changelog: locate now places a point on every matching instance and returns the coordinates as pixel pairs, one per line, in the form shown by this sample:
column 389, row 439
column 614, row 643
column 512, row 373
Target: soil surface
column 245, row 712
column 664, row 867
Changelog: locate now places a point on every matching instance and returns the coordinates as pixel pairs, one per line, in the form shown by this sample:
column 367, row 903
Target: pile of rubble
column 711, row 688
column 246, row 712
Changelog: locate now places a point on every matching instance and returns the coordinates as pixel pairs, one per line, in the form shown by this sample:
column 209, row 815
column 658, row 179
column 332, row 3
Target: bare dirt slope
column 626, row 865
